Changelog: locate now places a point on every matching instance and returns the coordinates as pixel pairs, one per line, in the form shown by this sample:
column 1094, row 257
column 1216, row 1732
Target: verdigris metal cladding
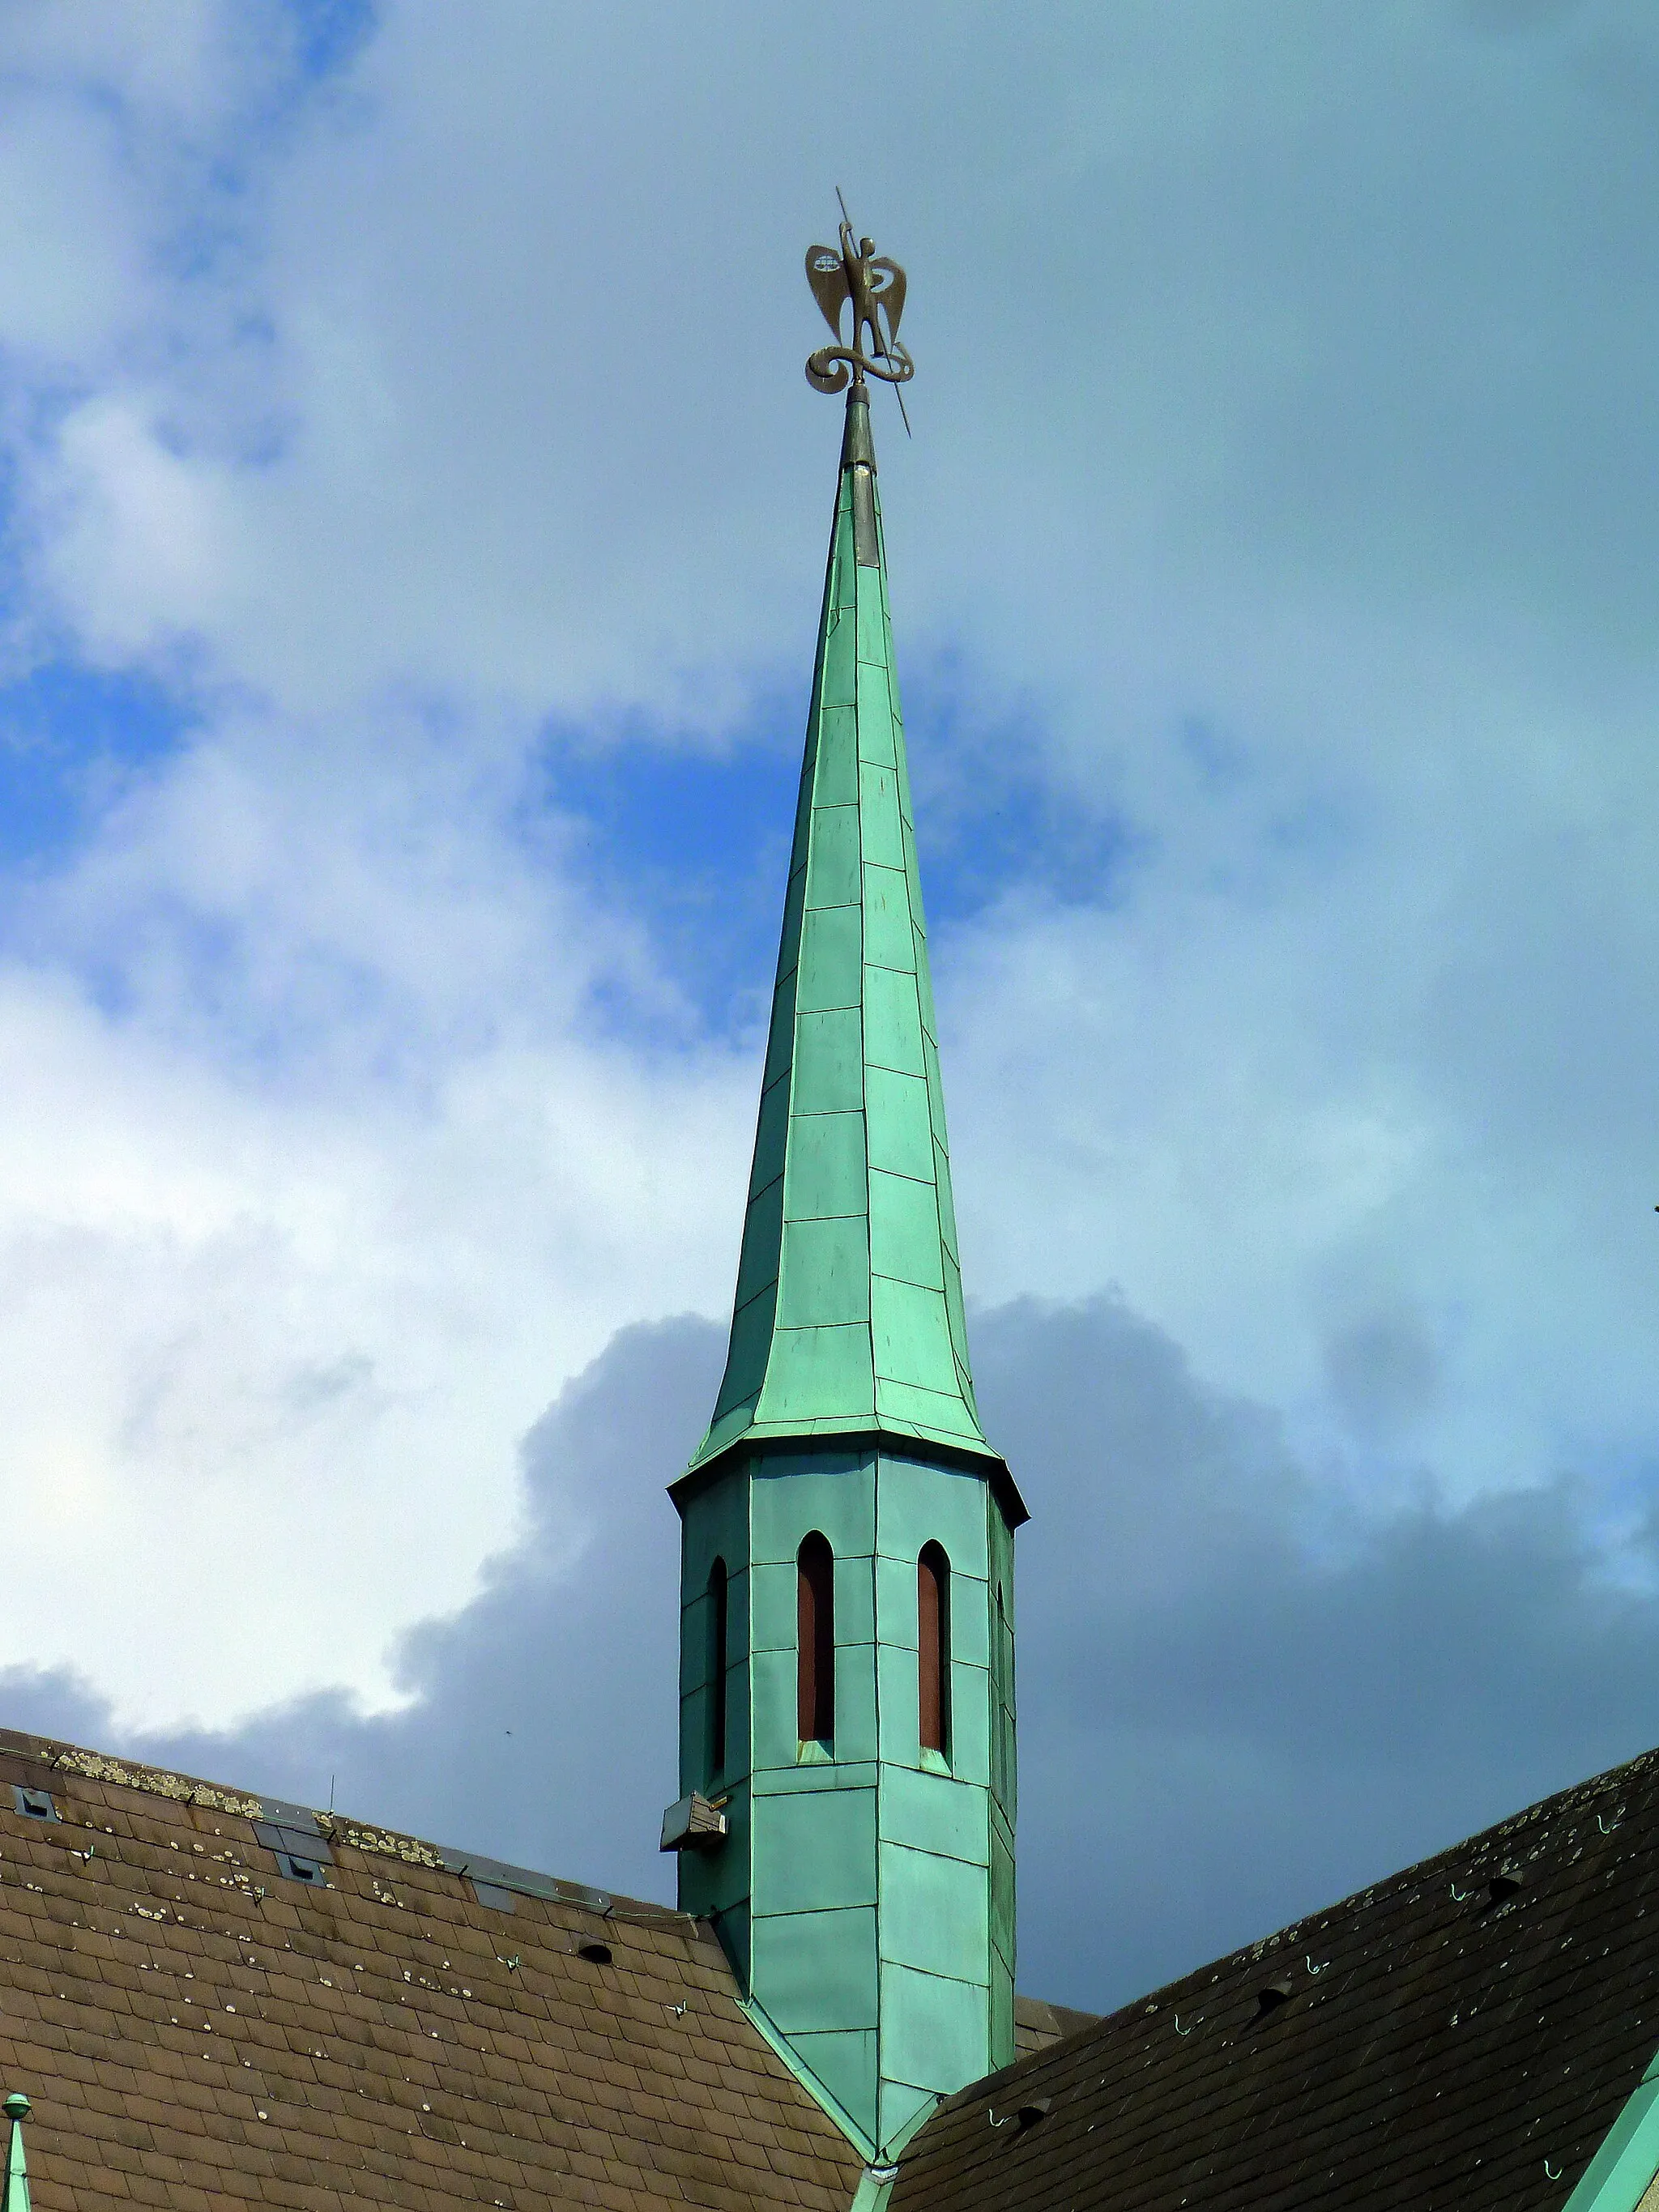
column 1459, row 2038
column 864, row 1891
column 864, row 1887
column 848, row 1315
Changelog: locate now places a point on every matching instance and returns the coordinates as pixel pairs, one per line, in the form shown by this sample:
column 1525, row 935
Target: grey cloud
column 1383, row 1371
column 1231, row 1710
column 1234, row 1709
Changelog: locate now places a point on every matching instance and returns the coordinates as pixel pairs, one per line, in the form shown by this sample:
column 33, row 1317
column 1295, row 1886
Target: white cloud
column 136, row 537
column 176, row 60
column 1284, row 435
column 1316, row 1088
column 316, row 1175
column 69, row 261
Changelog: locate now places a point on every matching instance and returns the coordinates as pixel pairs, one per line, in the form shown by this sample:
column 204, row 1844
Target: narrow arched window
column 718, row 1617
column 815, row 1667
column 933, row 1648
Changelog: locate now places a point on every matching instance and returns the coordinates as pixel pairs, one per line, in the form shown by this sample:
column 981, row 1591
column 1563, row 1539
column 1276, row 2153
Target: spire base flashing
column 858, row 447
column 854, row 1438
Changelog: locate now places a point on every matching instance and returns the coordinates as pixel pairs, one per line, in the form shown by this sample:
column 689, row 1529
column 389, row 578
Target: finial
column 13, row 2168
column 855, row 271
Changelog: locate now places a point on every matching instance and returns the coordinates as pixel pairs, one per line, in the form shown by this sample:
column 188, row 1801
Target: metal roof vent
column 34, row 1804
column 1022, row 2117
column 598, row 1954
column 1502, row 1886
column 1272, row 1995
column 302, row 1852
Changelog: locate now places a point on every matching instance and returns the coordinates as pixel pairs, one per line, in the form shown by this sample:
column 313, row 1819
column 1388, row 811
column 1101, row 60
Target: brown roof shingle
column 196, row 2028
column 1435, row 2042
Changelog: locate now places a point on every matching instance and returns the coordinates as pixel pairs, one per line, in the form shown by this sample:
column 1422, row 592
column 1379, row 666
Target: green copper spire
column 848, row 1317
column 848, row 1764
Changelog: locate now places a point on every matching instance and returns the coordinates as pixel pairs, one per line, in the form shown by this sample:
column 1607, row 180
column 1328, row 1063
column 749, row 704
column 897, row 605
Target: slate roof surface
column 1439, row 2046
column 195, row 2028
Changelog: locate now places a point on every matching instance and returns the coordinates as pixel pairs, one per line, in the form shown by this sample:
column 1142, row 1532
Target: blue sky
column 412, row 529
column 73, row 739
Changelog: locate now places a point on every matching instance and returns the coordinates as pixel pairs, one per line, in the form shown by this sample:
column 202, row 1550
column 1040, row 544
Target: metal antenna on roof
column 853, row 271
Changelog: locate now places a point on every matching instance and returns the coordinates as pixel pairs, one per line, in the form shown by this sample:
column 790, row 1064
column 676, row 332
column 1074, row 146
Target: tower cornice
column 991, row 1467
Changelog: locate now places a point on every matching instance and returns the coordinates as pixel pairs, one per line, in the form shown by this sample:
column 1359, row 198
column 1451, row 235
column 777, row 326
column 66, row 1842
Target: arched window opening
column 718, row 1618
column 933, row 1648
column 815, row 1676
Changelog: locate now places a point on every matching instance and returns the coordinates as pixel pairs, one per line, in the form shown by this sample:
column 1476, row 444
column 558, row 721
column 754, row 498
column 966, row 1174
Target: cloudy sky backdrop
column 413, row 525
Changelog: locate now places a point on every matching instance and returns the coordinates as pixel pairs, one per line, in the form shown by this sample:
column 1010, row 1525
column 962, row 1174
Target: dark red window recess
column 815, row 1675
column 933, row 1648
column 718, row 1618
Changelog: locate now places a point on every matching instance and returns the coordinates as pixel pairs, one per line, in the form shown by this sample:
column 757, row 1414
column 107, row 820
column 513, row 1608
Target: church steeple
column 848, row 1317
column 847, row 1672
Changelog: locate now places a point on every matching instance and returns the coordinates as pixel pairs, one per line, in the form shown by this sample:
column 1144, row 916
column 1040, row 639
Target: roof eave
column 972, row 1458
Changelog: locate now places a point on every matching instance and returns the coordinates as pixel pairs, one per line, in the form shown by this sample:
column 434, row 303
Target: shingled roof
column 1459, row 2037
column 198, row 2024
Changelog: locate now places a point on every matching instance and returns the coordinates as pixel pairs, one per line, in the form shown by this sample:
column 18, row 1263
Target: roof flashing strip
column 524, row 1881
column 880, row 2159
column 809, row 2081
column 1627, row 2162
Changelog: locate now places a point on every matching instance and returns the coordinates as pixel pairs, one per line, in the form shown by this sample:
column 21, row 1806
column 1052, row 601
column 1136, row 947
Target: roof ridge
column 371, row 1837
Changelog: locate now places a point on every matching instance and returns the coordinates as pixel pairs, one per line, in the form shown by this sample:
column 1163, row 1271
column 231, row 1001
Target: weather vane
column 875, row 286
